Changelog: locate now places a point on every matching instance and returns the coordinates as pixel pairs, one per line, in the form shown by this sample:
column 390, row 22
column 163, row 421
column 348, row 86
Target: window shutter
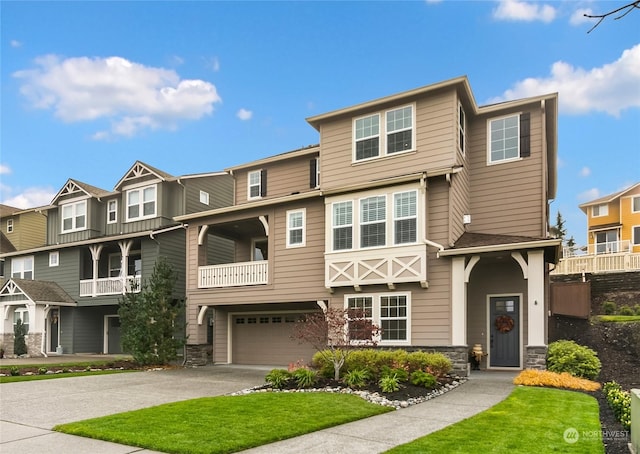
column 525, row 142
column 263, row 183
column 312, row 173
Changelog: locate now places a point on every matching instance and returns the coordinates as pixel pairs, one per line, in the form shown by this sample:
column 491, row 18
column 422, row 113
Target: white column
column 458, row 302
column 535, row 306
column 95, row 249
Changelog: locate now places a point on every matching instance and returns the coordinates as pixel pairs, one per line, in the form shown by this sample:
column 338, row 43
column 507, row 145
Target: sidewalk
column 30, row 409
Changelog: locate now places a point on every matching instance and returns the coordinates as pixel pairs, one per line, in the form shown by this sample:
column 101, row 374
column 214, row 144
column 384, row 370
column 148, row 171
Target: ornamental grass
column 545, row 378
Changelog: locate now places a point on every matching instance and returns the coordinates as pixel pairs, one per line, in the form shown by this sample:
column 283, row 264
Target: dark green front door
column 504, row 329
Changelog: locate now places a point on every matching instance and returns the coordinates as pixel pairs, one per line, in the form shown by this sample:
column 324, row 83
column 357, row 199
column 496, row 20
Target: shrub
column 400, row 374
column 305, row 378
column 620, row 402
column 438, row 365
column 636, row 308
column 533, row 377
column 626, row 310
column 278, row 378
column 578, row 360
column 14, row 371
column 421, row 378
column 389, row 383
column 42, row 371
column 609, row 308
column 321, row 362
column 357, row 378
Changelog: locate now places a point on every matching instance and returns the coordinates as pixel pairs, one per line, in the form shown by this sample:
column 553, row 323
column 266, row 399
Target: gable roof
column 6, row 210
column 74, row 186
column 607, row 198
column 140, row 169
column 40, row 292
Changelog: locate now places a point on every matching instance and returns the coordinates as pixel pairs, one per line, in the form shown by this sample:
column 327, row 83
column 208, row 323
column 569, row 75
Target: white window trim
column 9, row 225
column 385, row 221
column 204, row 197
column 377, row 320
column 600, row 210
column 74, row 228
column 317, row 172
column 109, row 211
column 140, row 204
column 259, row 185
column 22, row 261
column 22, row 311
column 303, row 243
column 502, row 161
column 632, row 199
column 54, row 258
column 383, row 134
column 334, row 226
column 635, row 241
column 462, row 128
column 394, row 218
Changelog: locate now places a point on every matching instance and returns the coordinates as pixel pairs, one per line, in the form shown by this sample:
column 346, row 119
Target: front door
column 54, row 323
column 504, row 329
column 113, row 335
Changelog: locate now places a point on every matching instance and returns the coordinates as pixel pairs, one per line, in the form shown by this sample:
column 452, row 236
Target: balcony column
column 125, row 248
column 535, row 307
column 95, row 250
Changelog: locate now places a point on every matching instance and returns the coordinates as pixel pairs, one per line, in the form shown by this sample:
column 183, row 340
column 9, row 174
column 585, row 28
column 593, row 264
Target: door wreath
column 504, row 324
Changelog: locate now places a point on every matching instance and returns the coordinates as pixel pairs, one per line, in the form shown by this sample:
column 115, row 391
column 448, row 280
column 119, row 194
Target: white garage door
column 266, row 339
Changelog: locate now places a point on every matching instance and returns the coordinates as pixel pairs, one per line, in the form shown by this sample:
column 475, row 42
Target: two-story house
column 20, row 229
column 422, row 208
column 100, row 245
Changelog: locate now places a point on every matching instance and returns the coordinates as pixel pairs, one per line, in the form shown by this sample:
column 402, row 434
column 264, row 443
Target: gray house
column 422, row 208
column 100, row 245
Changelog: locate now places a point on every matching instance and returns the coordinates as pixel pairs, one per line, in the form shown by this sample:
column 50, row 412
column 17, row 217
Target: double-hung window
column 22, row 267
column 342, row 225
column 373, row 212
column 112, row 211
column 399, row 130
column 141, row 203
column 504, row 138
column 295, row 228
column 374, row 138
column 635, row 204
column 636, row 235
column 9, row 225
column 405, row 217
column 360, row 318
column 599, row 210
column 389, row 312
column 367, row 137
column 74, row 216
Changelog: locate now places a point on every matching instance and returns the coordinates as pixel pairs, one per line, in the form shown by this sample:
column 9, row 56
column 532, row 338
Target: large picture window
column 389, row 312
column 141, row 203
column 74, row 216
column 373, row 139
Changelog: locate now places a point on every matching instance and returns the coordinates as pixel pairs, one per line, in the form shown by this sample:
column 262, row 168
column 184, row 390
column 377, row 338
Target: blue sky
column 88, row 88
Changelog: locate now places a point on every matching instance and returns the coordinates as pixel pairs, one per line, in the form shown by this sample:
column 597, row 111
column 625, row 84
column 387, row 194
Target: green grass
column 17, row 378
column 529, row 420
column 226, row 423
column 617, row 318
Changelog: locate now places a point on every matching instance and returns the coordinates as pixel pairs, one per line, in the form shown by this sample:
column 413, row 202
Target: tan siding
column 506, row 198
column 459, row 203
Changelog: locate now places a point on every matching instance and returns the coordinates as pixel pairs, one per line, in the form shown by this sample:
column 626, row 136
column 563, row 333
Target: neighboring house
column 426, row 210
column 20, row 229
column 100, row 245
column 613, row 235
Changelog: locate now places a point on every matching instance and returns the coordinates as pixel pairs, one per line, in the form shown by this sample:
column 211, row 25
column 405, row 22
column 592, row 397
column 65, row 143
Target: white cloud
column 610, row 88
column 577, row 18
column 29, row 198
column 589, row 195
column 585, row 172
column 515, row 10
column 244, row 114
column 133, row 97
column 4, row 169
column 15, row 43
column 213, row 63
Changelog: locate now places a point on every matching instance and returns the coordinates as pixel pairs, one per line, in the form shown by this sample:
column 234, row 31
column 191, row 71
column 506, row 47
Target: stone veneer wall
column 33, row 341
column 536, row 358
column 196, row 355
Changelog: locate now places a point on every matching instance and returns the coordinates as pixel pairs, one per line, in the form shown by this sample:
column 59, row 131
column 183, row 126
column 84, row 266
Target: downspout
column 436, row 245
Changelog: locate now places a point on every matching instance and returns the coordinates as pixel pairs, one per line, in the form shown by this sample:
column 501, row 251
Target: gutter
column 436, row 245
column 168, row 229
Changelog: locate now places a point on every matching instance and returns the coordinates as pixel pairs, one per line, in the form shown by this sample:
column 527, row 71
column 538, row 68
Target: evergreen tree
column 19, row 344
column 559, row 230
column 148, row 318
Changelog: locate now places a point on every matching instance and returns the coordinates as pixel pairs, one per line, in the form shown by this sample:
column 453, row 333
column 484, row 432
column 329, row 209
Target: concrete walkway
column 29, row 410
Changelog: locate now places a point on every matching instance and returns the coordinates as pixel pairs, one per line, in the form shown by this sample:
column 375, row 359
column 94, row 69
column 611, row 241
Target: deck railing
column 110, row 286
column 598, row 263
column 233, row 274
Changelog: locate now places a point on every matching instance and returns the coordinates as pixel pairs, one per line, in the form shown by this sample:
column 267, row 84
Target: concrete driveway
column 28, row 410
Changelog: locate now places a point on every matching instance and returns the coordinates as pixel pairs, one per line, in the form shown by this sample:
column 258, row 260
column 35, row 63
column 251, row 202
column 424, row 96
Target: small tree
column 148, row 318
column 335, row 332
column 19, row 344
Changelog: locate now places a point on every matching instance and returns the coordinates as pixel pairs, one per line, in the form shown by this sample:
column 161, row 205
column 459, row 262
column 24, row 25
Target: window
column 257, row 186
column 599, row 210
column 373, row 221
column 607, row 242
column 504, row 139
column 342, row 225
column 360, row 313
column 74, row 216
column 21, row 314
column 204, row 197
column 54, row 258
column 112, row 211
column 141, row 203
column 462, row 128
column 373, row 139
column 399, row 130
column 22, row 268
column 635, row 204
column 9, row 225
column 389, row 312
column 636, row 235
column 296, row 228
column 367, row 131
column 405, row 217
column 314, row 173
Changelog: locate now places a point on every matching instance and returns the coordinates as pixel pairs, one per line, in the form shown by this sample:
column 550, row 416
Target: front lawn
column 226, row 424
column 529, row 420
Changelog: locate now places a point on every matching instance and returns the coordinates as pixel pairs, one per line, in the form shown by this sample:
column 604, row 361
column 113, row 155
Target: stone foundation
column 196, row 355
column 536, row 357
column 33, row 341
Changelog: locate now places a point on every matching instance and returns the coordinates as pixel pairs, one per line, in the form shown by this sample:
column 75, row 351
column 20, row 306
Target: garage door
column 265, row 339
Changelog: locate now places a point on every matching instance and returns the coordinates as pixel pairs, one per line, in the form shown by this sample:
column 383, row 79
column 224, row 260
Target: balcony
column 380, row 266
column 233, row 274
column 612, row 256
column 110, row 286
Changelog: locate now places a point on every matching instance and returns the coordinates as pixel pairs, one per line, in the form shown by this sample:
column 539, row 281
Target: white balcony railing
column 598, row 263
column 377, row 266
column 233, row 274
column 110, row 286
